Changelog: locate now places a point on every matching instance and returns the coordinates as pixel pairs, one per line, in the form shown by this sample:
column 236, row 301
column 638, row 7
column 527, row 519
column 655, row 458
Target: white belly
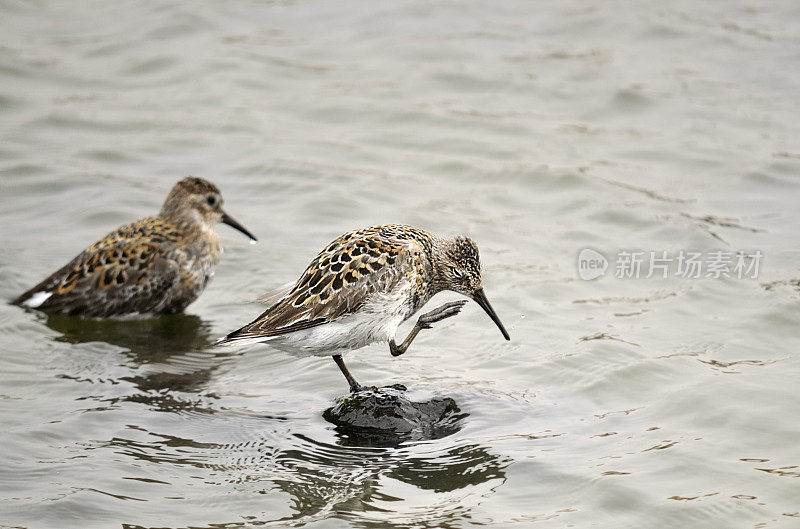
column 376, row 321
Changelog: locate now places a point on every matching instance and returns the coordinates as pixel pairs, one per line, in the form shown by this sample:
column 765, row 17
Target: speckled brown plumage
column 362, row 286
column 156, row 265
column 347, row 273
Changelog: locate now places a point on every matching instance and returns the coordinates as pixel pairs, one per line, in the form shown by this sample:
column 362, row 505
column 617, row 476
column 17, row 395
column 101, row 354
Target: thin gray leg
column 354, row 386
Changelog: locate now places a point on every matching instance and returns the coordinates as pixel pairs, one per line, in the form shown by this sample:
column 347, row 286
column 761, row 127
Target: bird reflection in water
column 354, row 483
column 245, row 456
column 169, row 369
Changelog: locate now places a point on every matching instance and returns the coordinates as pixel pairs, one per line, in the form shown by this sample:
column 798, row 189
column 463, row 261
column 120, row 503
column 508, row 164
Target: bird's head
column 458, row 268
column 198, row 201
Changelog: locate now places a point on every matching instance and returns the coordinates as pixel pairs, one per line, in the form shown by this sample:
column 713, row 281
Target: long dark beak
column 230, row 221
column 480, row 299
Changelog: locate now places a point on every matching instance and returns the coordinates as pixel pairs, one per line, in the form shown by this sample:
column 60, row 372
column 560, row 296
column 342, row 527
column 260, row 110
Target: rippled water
column 539, row 129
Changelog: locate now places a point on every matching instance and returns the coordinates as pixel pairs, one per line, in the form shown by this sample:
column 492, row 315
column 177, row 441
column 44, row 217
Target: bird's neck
column 437, row 259
column 191, row 224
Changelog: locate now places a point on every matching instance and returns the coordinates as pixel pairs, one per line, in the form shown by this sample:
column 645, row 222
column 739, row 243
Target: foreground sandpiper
column 361, row 287
column 156, row 265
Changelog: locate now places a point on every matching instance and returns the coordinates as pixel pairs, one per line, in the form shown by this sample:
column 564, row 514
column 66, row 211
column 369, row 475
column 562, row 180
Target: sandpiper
column 156, row 265
column 361, row 287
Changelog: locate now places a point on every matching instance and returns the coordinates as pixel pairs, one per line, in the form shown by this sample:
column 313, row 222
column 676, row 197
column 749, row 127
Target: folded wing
column 338, row 282
column 121, row 274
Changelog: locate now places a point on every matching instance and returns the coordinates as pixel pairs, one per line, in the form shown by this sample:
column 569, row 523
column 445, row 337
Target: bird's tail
column 242, row 336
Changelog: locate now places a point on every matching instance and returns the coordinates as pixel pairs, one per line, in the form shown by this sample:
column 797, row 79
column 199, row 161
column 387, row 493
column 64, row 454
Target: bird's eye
column 211, row 200
column 456, row 272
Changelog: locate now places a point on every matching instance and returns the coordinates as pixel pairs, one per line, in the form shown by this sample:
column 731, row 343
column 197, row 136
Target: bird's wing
column 337, row 282
column 127, row 271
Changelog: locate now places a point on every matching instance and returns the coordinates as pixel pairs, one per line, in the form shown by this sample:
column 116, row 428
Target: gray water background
column 538, row 129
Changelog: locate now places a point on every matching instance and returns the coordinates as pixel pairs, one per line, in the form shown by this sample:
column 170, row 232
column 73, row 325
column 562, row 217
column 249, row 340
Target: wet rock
column 386, row 417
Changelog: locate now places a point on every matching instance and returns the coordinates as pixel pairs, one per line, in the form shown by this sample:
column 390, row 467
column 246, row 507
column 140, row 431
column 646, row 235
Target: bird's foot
column 359, row 388
column 438, row 314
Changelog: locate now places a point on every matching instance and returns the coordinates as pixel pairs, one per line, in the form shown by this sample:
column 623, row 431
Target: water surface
column 538, row 129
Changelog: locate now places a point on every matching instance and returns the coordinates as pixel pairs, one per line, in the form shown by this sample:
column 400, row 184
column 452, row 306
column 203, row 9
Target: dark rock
column 385, row 417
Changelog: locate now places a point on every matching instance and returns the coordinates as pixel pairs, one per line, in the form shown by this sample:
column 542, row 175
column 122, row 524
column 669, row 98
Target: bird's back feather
column 341, row 279
column 131, row 270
